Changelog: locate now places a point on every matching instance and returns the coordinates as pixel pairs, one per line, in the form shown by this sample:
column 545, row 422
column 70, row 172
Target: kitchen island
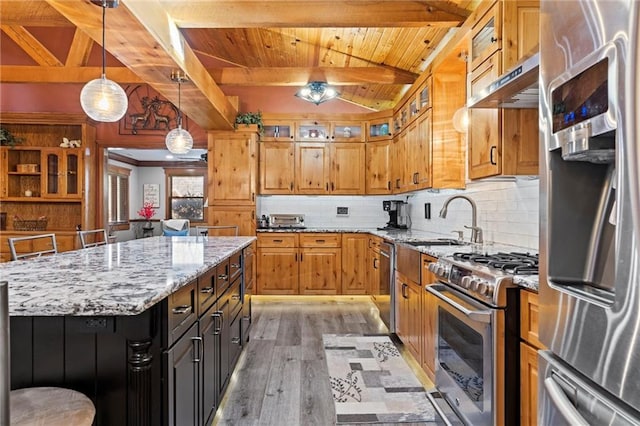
column 149, row 329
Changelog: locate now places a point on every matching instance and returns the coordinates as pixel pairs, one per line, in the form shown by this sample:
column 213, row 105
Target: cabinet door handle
column 404, row 288
column 197, row 348
column 296, row 257
column 217, row 315
column 291, row 137
column 183, row 309
column 491, row 159
column 375, row 263
column 301, row 257
column 397, row 183
column 291, row 186
column 327, row 186
column 332, row 187
column 253, row 196
column 415, row 177
column 206, row 290
column 389, row 185
column 494, row 39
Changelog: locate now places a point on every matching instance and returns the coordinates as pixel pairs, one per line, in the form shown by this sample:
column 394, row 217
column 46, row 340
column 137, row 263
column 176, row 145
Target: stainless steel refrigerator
column 590, row 213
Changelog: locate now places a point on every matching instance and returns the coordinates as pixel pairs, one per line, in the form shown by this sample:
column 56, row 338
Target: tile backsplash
column 507, row 210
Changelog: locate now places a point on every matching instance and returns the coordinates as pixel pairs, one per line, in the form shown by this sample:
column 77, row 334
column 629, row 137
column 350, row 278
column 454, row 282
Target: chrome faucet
column 476, row 231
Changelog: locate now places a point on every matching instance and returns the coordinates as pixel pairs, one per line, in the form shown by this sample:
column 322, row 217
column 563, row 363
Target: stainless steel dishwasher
column 385, row 299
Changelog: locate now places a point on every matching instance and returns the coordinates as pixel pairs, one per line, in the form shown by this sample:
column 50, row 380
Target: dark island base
column 115, row 361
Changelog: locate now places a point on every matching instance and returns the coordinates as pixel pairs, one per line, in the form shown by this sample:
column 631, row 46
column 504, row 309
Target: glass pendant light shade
column 317, row 92
column 179, row 141
column 104, row 100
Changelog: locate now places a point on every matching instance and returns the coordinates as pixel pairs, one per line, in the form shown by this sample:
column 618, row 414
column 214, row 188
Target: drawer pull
column 223, row 277
column 199, row 350
column 206, row 290
column 235, row 340
column 277, row 241
column 235, row 265
column 235, row 297
column 320, row 241
column 183, row 309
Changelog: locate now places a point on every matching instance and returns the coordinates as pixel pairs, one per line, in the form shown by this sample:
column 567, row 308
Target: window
column 186, row 194
column 118, row 195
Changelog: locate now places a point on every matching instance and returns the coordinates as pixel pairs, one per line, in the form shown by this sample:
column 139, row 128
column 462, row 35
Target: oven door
column 465, row 355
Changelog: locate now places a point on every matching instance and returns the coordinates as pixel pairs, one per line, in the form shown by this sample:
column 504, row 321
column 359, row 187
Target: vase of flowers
column 147, row 211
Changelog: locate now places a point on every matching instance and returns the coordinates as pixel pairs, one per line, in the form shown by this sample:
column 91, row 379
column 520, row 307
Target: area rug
column 372, row 383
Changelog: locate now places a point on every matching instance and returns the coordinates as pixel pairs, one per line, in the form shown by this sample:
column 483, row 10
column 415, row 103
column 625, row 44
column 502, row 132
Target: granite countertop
column 402, row 236
column 123, row 278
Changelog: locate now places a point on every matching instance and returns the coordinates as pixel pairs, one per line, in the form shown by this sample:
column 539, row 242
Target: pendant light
column 317, row 92
column 102, row 99
column 179, row 141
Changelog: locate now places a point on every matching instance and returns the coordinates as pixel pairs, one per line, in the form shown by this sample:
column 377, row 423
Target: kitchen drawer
column 279, row 239
column 235, row 266
column 319, row 240
column 375, row 243
column 529, row 318
column 181, row 311
column 206, row 290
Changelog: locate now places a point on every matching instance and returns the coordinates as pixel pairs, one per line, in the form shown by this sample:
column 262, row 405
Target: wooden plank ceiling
column 371, row 49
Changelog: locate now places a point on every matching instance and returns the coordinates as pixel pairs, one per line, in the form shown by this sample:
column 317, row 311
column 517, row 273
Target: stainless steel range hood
column 517, row 88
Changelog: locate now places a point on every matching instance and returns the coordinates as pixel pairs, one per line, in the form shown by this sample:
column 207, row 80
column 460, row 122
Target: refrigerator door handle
column 562, row 401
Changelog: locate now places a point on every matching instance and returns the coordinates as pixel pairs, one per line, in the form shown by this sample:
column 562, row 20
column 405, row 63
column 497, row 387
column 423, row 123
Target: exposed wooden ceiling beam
column 152, row 48
column 31, row 45
column 80, row 49
column 31, row 13
column 314, row 13
column 37, row 74
column 298, row 76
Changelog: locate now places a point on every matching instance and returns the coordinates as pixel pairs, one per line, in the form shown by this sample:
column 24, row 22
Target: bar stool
column 93, row 238
column 220, row 230
column 32, row 246
column 49, row 406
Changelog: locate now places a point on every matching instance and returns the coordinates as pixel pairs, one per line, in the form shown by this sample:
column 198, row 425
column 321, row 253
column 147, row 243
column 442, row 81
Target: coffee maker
column 398, row 214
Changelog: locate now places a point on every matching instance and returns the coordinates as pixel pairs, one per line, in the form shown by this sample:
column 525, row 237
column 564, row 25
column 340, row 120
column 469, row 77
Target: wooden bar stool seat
column 50, row 406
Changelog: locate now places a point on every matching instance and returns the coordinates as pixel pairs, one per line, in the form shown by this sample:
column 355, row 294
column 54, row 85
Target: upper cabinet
column 277, row 131
column 502, row 141
column 233, row 168
column 380, row 129
column 62, row 172
column 277, row 172
column 347, row 131
column 313, row 131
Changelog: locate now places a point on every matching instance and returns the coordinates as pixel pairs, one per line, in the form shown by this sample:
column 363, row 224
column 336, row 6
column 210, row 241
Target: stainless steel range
column 477, row 353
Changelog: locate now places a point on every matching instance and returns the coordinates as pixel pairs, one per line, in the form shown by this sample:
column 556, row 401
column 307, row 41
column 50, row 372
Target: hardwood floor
column 281, row 377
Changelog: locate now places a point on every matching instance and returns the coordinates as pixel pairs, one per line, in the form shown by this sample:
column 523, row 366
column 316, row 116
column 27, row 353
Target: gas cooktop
column 513, row 263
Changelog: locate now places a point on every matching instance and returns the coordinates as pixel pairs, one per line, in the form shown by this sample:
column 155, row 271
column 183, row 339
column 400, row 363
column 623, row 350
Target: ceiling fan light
column 104, row 100
column 317, row 92
column 179, row 141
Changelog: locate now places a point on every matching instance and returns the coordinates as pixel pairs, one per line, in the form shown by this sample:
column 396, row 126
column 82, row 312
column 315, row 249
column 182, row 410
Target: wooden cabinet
column 335, row 168
column 305, row 263
column 429, row 319
column 347, row 131
column 355, row 249
column 244, row 217
column 320, row 263
column 277, row 262
column 411, row 156
column 529, row 358
column 183, row 375
column 380, row 129
column 504, row 141
column 408, row 318
column 378, row 169
column 38, row 178
column 277, row 171
column 312, row 131
column 233, row 164
column 277, row 131
column 373, row 266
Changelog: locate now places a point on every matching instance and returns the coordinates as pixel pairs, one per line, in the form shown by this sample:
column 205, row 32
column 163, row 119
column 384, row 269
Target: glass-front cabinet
column 380, row 129
column 62, row 173
column 313, row 131
column 347, row 131
column 277, row 131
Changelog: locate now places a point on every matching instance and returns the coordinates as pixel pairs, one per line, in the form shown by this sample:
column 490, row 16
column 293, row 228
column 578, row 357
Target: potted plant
column 8, row 139
column 248, row 118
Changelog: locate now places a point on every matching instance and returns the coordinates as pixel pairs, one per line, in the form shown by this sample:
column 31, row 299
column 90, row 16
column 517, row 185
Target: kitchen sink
column 434, row 242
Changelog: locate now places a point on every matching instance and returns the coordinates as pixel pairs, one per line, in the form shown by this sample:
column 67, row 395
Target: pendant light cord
column 179, row 104
column 104, row 50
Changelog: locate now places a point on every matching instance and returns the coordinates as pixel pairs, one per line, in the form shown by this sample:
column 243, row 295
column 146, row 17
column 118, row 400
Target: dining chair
column 51, row 406
column 218, row 231
column 175, row 227
column 93, row 238
column 32, row 246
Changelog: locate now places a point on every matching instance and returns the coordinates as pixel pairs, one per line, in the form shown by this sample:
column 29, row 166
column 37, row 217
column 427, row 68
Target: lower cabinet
column 183, row 378
column 529, row 347
column 304, row 263
column 355, row 249
column 429, row 319
column 408, row 317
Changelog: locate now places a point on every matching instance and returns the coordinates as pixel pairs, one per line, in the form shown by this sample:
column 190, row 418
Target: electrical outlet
column 342, row 211
column 427, row 210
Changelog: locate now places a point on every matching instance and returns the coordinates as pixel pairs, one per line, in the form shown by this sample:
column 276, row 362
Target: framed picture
column 151, row 194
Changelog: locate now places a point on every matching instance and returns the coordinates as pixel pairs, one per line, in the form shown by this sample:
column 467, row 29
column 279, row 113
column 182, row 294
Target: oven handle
column 480, row 316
